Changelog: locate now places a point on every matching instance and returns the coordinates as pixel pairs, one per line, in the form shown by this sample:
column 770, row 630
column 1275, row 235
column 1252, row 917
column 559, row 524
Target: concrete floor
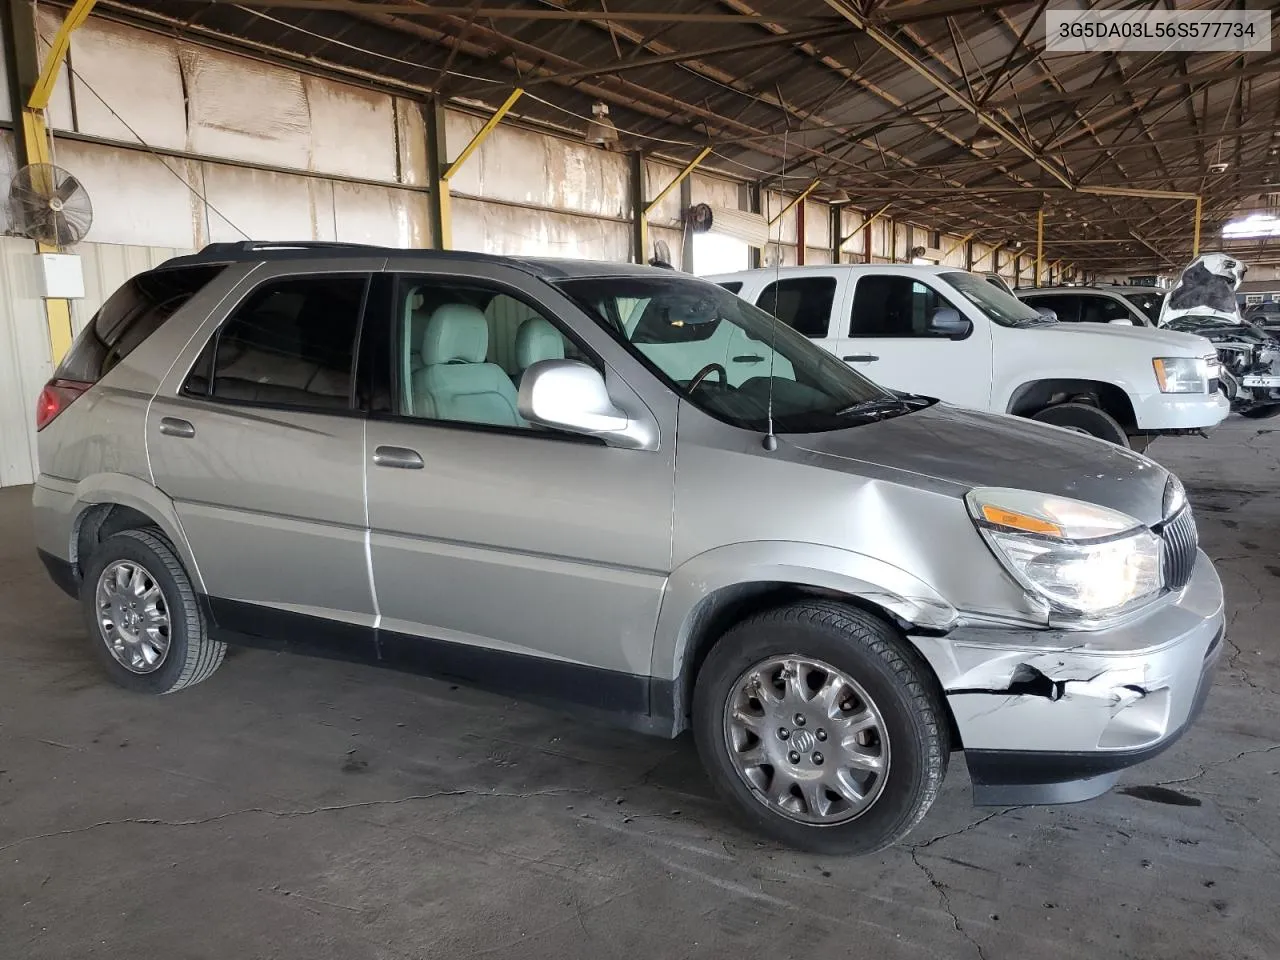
column 303, row 808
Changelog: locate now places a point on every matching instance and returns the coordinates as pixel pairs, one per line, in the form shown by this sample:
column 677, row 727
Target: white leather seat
column 537, row 339
column 455, row 382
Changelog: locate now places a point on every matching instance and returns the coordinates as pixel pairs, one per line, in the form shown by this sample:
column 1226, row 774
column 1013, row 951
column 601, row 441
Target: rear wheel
column 144, row 622
column 821, row 727
column 1084, row 418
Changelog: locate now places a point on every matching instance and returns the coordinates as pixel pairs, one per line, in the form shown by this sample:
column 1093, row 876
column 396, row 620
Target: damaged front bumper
column 1052, row 716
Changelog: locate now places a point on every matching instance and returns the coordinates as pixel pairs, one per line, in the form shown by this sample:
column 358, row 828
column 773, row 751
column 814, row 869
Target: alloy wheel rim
column 133, row 616
column 807, row 739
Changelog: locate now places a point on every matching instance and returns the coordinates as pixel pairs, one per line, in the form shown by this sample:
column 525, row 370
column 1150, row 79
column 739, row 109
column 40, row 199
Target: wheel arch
column 1035, row 395
column 109, row 503
column 710, row 593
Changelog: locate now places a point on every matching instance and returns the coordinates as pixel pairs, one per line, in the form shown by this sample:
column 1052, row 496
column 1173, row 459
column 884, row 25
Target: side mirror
column 1047, row 312
column 947, row 322
column 570, row 395
column 1121, row 322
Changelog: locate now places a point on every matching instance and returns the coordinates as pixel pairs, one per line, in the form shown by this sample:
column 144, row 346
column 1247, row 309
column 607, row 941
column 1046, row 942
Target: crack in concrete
column 945, row 900
column 288, row 814
column 1218, row 763
column 965, row 829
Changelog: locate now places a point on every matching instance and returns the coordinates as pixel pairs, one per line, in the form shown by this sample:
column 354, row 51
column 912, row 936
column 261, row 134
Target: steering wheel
column 705, row 372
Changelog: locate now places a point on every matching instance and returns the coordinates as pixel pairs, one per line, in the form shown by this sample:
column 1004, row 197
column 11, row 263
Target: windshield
column 727, row 357
column 1004, row 308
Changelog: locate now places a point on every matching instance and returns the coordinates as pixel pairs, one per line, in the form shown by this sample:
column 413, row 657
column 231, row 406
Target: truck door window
column 802, row 303
column 1065, row 305
column 1102, row 310
column 887, row 306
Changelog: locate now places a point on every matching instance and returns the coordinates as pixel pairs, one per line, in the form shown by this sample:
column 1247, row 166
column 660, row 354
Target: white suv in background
column 947, row 333
column 1139, row 306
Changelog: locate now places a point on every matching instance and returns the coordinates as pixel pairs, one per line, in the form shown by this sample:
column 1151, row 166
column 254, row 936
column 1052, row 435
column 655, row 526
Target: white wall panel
column 138, row 75
column 817, row 224
column 527, row 167
column 851, row 221
column 136, row 200
column 265, row 205
column 491, row 228
column 8, row 167
column 245, row 110
column 352, row 130
column 713, row 190
column 380, row 215
column 817, row 254
column 656, row 177
column 24, row 359
column 411, row 141
column 674, row 239
column 785, row 228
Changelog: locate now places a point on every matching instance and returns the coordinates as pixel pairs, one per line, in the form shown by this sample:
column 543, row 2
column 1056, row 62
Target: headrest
column 537, row 340
column 416, row 300
column 455, row 332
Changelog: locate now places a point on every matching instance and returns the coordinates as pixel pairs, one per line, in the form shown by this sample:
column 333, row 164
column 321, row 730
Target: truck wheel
column 1261, row 413
column 1084, row 418
column 818, row 723
column 145, row 624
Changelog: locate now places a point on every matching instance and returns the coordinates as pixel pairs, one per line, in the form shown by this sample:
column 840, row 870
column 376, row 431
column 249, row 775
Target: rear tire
column 852, row 770
column 142, row 615
column 1084, row 418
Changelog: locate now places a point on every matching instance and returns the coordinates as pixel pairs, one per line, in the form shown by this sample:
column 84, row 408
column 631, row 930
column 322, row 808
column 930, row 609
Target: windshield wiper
column 871, row 407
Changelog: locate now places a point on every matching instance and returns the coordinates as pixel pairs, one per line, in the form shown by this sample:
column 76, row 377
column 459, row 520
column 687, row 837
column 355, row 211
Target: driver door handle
column 860, row 358
column 177, row 427
column 401, row 458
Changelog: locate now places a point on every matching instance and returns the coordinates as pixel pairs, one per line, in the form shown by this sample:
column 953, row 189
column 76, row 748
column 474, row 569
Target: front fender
column 693, row 586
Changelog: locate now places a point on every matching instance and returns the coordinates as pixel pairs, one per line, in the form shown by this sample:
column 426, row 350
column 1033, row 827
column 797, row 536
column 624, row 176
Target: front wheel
column 817, row 723
column 1084, row 418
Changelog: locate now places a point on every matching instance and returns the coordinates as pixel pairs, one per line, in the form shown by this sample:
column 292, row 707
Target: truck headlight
column 1181, row 374
column 1085, row 560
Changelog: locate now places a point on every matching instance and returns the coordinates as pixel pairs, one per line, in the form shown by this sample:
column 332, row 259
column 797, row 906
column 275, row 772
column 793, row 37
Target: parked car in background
column 944, row 332
column 1139, row 306
column 627, row 491
column 1265, row 315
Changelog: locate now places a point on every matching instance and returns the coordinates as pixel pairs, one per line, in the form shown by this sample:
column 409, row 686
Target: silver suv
column 538, row 477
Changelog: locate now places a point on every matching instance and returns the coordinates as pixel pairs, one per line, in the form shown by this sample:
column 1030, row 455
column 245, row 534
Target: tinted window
column 886, row 306
column 745, row 365
column 129, row 316
column 290, row 343
column 802, row 303
column 461, row 350
column 1095, row 309
column 999, row 306
column 1148, row 301
column 733, row 286
column 1065, row 305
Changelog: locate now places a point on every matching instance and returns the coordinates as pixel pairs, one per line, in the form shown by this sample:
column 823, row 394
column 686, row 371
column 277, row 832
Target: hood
column 1170, row 342
column 969, row 448
column 1206, row 288
column 1218, row 330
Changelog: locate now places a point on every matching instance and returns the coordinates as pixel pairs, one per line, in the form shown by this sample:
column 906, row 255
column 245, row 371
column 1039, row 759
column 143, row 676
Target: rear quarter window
column 131, row 315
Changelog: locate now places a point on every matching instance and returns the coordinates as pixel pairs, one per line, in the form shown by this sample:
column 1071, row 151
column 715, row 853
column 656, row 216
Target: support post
column 968, row 255
column 686, row 201
column 1039, row 245
column 1195, row 242
column 836, row 229
column 645, row 207
column 639, row 210
column 755, row 255
column 954, row 247
column 800, row 239
column 444, row 170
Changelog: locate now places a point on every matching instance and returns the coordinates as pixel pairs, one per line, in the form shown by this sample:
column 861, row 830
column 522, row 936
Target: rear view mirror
column 571, row 395
column 1121, row 322
column 947, row 322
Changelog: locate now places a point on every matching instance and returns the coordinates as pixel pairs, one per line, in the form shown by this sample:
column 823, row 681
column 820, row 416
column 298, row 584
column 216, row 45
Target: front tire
column 1084, row 418
column 821, row 727
column 144, row 621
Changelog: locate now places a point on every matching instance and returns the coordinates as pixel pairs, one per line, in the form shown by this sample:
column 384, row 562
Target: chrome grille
column 1180, row 544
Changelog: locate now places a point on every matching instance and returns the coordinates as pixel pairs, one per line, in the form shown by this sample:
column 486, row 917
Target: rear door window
column 1095, row 309
column 1065, row 305
column 802, row 303
column 289, row 343
column 130, row 315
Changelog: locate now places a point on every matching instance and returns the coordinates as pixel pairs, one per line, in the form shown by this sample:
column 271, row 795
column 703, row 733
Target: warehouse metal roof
column 950, row 109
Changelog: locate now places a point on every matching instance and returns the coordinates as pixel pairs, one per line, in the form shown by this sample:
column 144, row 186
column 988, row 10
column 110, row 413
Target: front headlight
column 1181, row 374
column 1087, row 561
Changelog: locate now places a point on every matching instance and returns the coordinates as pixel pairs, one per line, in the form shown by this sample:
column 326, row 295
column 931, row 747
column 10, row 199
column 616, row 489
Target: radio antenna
column 770, row 439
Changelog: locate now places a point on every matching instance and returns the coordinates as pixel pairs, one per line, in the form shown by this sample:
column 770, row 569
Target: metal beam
column 799, row 198
column 520, row 13
column 1195, row 243
column 1152, row 83
column 482, row 134
column 957, row 245
column 1039, row 245
column 689, row 167
column 43, row 89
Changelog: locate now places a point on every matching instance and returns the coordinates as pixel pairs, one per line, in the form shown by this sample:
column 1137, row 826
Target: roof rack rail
column 248, row 246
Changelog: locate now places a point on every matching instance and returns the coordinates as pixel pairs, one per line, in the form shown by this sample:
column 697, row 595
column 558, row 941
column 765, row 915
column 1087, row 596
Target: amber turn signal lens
column 1019, row 521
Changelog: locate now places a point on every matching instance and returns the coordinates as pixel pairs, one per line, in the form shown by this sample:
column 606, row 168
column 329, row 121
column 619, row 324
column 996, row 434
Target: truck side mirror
column 947, row 322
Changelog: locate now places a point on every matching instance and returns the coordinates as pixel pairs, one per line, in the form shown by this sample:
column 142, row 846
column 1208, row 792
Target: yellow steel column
column 1039, row 244
column 35, row 137
column 444, row 241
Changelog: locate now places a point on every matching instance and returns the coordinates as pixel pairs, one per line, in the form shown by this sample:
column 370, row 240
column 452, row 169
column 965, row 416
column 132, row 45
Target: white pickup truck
column 947, row 333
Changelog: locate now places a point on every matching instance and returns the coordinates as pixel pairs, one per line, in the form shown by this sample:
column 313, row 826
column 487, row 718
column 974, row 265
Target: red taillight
column 56, row 396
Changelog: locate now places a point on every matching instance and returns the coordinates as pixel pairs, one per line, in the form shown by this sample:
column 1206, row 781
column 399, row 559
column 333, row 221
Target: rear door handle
column 401, row 458
column 177, row 427
column 860, row 358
